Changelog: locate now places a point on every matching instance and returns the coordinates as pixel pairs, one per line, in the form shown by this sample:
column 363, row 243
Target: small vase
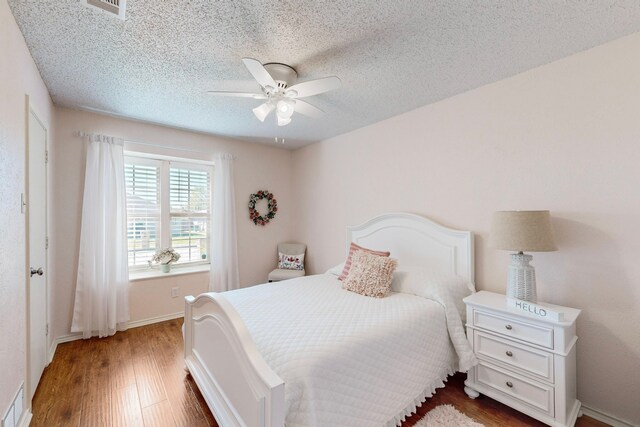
column 165, row 268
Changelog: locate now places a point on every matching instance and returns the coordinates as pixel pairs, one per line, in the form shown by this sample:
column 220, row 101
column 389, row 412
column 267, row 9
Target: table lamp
column 522, row 231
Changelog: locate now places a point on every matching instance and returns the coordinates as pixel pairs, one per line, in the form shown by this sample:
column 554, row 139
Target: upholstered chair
column 291, row 249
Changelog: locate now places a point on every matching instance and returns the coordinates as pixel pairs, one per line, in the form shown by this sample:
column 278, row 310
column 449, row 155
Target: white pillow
column 337, row 270
column 432, row 284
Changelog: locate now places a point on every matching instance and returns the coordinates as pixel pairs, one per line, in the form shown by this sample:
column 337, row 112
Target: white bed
column 344, row 359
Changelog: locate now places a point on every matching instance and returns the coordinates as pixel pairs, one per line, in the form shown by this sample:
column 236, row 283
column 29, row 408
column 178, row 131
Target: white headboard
column 416, row 241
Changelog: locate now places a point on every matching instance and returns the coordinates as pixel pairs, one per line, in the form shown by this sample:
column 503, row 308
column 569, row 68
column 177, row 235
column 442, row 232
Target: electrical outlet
column 175, row 292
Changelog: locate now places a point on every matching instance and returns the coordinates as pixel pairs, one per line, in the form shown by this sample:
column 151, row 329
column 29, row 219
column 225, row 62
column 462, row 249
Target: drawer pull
column 509, row 327
column 509, row 353
column 509, row 384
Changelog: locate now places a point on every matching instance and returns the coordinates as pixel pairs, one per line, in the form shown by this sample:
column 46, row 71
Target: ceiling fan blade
column 259, row 73
column 237, row 94
column 308, row 110
column 314, row 87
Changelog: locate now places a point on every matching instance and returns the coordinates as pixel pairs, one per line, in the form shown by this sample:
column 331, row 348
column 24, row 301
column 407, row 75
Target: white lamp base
column 522, row 278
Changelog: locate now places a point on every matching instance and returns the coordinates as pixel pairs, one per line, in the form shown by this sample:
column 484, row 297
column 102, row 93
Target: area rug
column 446, row 416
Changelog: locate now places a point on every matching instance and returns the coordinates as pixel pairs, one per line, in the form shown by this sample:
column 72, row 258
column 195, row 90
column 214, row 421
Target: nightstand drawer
column 531, row 393
column 536, row 362
column 527, row 332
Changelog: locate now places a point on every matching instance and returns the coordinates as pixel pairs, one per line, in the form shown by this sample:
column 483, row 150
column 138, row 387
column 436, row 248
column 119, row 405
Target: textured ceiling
column 392, row 55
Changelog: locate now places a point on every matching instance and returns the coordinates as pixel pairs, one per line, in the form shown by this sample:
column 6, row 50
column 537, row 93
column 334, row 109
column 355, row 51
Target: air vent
column 114, row 7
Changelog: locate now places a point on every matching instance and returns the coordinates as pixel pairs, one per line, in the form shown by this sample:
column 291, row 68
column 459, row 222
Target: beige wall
column 256, row 167
column 18, row 77
column 563, row 137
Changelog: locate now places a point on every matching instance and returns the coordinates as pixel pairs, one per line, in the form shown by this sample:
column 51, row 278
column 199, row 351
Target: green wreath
column 272, row 207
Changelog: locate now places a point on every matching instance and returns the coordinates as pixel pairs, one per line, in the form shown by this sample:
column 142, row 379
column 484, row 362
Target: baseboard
column 52, row 351
column 158, row 319
column 134, row 324
column 68, row 338
column 60, row 340
column 605, row 418
column 26, row 418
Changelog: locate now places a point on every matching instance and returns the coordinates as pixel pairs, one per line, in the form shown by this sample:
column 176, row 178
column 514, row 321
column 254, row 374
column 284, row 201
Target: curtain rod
column 168, row 147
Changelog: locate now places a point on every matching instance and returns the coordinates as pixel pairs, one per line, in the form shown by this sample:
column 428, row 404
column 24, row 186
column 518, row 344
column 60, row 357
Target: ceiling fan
column 280, row 93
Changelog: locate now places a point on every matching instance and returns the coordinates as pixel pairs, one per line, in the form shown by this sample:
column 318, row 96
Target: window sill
column 155, row 273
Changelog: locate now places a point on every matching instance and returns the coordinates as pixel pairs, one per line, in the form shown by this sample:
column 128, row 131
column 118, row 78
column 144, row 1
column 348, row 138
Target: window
column 168, row 205
column 143, row 210
column 190, row 197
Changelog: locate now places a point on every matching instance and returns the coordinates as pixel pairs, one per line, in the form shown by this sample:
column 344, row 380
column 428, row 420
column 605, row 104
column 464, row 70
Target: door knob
column 39, row 271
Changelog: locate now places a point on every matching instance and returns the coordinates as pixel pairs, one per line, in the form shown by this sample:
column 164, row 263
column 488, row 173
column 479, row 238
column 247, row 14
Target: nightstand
column 525, row 361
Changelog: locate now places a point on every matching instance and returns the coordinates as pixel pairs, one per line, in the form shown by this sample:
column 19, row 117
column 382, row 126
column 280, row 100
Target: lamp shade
column 526, row 231
column 263, row 110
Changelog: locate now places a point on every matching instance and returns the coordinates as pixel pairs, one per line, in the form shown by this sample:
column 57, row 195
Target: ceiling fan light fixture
column 285, row 107
column 283, row 121
column 263, row 110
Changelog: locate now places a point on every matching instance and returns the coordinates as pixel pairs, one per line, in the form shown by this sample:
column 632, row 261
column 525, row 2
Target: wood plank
column 96, row 400
column 96, row 411
column 121, row 373
column 149, row 381
column 155, row 336
column 170, row 358
column 158, row 415
column 99, row 349
column 208, row 416
column 64, row 411
column 119, row 346
column 184, row 404
column 201, row 423
column 138, row 342
column 125, row 407
column 168, row 353
column 70, row 376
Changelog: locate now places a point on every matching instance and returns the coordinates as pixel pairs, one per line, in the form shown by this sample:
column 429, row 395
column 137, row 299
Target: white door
column 37, row 237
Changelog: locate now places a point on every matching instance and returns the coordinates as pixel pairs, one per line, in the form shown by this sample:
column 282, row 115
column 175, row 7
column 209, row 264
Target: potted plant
column 165, row 257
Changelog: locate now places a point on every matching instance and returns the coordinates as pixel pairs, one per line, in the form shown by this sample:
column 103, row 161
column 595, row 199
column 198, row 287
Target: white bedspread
column 346, row 359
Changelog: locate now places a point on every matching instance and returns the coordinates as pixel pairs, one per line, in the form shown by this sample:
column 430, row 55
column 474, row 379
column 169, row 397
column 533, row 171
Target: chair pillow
column 290, row 262
column 371, row 275
column 353, row 248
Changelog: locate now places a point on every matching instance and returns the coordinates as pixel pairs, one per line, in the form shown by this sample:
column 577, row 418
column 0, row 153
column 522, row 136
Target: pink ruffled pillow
column 352, row 249
column 371, row 275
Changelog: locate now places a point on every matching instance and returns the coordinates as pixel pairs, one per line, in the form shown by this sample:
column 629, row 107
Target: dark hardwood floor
column 136, row 378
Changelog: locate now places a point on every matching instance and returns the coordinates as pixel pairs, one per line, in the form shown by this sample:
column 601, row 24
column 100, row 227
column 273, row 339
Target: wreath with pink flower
column 272, row 206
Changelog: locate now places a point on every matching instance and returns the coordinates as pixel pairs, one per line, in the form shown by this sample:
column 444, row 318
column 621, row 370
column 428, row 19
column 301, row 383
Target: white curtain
column 102, row 286
column 224, row 248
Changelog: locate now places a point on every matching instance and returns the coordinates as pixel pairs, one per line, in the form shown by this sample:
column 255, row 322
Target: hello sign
column 536, row 310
